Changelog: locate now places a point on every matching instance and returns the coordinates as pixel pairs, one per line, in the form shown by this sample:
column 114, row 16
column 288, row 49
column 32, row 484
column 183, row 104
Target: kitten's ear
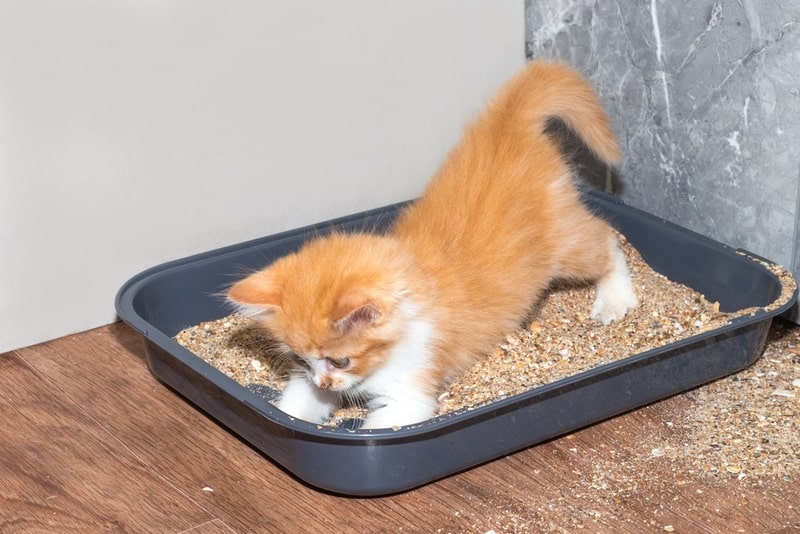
column 259, row 292
column 355, row 311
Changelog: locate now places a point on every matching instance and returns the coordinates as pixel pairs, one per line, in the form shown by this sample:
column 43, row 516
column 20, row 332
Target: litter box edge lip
column 123, row 300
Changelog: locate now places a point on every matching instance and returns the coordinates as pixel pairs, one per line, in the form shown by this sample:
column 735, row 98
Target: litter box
column 165, row 299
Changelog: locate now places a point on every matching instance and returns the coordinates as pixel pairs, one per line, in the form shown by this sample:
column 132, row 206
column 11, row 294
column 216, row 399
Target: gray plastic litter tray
column 163, row 300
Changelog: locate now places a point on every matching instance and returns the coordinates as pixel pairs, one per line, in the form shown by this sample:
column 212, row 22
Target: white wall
column 133, row 132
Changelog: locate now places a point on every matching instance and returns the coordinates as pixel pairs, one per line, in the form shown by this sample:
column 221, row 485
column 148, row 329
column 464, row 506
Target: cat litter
column 560, row 340
column 660, row 350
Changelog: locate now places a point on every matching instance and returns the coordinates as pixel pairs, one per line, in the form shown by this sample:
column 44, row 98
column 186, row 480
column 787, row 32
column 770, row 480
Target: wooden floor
column 91, row 442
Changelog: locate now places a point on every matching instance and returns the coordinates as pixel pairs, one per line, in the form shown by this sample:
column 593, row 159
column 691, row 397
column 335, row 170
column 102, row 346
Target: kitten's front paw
column 305, row 401
column 394, row 414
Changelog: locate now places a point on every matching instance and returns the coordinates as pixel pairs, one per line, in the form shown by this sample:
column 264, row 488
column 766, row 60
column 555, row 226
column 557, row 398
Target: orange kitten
column 392, row 318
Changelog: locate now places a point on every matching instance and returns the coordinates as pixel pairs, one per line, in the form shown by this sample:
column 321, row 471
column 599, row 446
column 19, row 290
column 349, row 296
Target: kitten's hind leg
column 614, row 295
column 592, row 252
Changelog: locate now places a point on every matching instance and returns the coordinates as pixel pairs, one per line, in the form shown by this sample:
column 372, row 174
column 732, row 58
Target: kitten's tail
column 552, row 89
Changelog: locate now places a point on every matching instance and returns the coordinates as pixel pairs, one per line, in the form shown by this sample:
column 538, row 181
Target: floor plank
column 94, row 441
column 61, row 471
column 212, row 527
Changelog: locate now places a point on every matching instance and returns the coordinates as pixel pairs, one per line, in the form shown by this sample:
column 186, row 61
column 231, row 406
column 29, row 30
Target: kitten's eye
column 300, row 360
column 339, row 363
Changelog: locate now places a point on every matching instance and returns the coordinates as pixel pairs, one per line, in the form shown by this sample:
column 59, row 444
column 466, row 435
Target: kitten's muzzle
column 323, row 382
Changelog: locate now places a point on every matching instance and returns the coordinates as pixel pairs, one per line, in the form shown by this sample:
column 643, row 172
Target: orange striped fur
column 461, row 267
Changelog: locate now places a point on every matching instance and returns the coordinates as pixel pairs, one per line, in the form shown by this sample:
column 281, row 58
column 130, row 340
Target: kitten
column 392, row 318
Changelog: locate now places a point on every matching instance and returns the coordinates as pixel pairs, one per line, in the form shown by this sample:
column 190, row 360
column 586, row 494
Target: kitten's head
column 336, row 304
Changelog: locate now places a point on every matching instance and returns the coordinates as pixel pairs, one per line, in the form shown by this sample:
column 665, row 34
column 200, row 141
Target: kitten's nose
column 324, row 382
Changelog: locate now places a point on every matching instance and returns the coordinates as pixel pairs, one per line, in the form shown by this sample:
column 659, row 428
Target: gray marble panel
column 705, row 98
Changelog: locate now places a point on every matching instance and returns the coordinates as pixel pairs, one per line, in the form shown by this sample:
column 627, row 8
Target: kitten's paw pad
column 609, row 307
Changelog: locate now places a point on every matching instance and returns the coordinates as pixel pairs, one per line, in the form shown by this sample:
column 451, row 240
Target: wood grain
column 61, row 471
column 92, row 442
